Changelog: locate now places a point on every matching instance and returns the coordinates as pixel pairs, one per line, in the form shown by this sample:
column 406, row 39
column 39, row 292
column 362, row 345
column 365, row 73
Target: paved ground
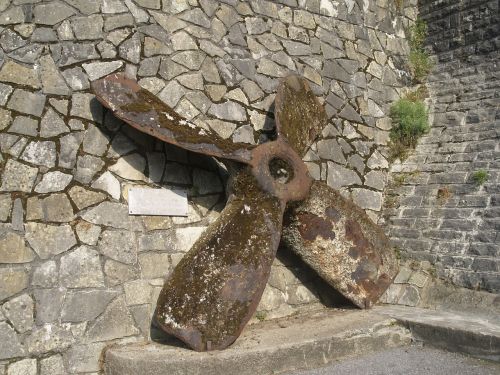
column 409, row 361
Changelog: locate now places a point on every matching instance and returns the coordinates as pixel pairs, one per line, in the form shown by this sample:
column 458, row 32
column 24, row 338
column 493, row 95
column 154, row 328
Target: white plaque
column 157, row 202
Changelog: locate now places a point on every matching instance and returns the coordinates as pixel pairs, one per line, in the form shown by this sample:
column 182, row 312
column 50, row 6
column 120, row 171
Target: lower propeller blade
column 339, row 241
column 216, row 287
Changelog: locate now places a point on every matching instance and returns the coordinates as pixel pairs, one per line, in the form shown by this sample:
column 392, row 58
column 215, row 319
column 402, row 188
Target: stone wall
column 437, row 213
column 76, row 271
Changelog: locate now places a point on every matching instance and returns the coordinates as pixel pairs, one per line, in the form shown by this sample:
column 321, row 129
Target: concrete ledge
column 301, row 342
column 471, row 333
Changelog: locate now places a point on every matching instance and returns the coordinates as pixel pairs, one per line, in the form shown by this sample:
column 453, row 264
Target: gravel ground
column 409, row 361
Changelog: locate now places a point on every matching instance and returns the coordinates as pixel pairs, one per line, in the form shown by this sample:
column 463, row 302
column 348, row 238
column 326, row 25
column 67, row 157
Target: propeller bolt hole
column 281, row 170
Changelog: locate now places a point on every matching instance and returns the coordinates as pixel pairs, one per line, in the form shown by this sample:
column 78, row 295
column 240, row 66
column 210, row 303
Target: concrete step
column 299, row 342
column 472, row 333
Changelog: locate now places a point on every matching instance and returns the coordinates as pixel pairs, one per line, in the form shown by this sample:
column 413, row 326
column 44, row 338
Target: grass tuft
column 480, row 177
column 410, row 121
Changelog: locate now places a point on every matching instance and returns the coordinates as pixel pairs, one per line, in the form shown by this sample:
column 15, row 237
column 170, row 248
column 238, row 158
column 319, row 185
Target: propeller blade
column 299, row 115
column 145, row 112
column 216, row 287
column 340, row 242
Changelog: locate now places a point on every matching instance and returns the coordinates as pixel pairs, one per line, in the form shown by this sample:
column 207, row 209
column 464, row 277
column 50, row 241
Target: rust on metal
column 215, row 289
column 311, row 226
column 145, row 112
column 338, row 240
column 297, row 187
column 299, row 115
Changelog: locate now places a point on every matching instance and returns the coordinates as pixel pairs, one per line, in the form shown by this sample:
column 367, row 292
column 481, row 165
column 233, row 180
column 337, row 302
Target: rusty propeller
column 216, row 287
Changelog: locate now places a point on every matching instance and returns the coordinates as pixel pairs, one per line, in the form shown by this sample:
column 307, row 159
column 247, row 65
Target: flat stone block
column 304, row 341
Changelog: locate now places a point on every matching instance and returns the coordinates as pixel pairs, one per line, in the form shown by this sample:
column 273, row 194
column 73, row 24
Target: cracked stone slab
column 41, row 153
column 52, row 13
column 130, row 167
column 108, row 183
column 100, row 69
column 10, row 345
column 12, row 281
column 87, row 28
column 81, row 269
column 52, row 125
column 72, row 53
column 48, row 240
column 88, row 233
column 119, row 245
column 27, row 102
column 24, row 125
column 83, row 305
column 52, row 80
column 53, row 181
column 12, row 16
column 13, row 249
column 87, row 107
column 110, row 214
column 95, row 141
column 49, row 338
column 87, row 167
column 18, row 177
column 115, row 322
column 84, row 198
column 19, row 311
column 229, row 111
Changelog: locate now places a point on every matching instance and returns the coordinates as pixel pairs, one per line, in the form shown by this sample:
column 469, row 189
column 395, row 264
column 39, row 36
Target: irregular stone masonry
column 77, row 272
column 436, row 212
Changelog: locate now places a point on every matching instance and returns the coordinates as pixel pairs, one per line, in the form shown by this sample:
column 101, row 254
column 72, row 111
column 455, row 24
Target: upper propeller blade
column 340, row 242
column 145, row 112
column 216, row 287
column 299, row 115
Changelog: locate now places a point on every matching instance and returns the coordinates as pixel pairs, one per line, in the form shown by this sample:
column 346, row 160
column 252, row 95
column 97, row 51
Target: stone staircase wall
column 77, row 272
column 436, row 212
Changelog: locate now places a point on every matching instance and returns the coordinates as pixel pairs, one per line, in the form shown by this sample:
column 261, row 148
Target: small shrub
column 399, row 4
column 420, row 63
column 410, row 121
column 480, row 177
column 418, row 33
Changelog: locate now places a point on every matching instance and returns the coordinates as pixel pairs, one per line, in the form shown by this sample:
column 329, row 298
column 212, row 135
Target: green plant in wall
column 480, row 177
column 410, row 121
column 420, row 62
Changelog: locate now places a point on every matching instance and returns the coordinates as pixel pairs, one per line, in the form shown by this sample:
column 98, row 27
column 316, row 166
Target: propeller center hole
column 281, row 170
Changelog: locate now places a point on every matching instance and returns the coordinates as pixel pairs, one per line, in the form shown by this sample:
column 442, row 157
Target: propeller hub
column 280, row 171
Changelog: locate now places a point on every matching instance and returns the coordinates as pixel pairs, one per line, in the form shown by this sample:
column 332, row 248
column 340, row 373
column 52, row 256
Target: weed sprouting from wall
column 420, row 63
column 480, row 177
column 410, row 121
